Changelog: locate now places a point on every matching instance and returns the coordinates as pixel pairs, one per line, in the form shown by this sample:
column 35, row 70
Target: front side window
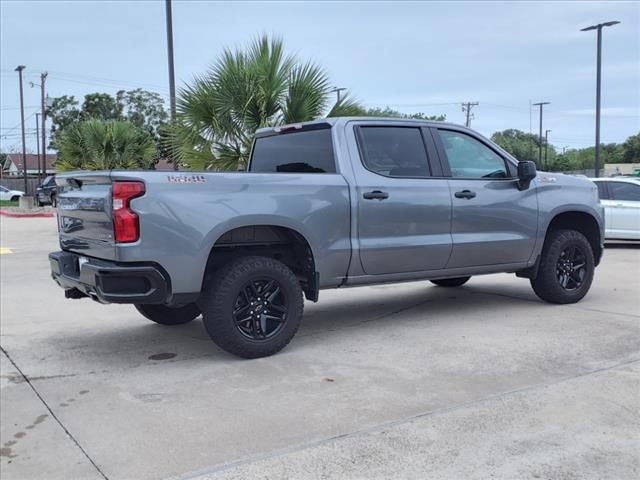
column 470, row 158
column 308, row 151
column 624, row 191
column 394, row 151
column 2, row 189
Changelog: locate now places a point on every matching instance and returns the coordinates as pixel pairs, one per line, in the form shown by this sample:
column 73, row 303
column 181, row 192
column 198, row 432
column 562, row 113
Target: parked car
column 620, row 197
column 325, row 204
column 46, row 191
column 7, row 194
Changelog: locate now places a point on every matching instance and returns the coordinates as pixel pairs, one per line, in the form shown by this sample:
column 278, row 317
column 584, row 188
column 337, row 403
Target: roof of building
column 32, row 160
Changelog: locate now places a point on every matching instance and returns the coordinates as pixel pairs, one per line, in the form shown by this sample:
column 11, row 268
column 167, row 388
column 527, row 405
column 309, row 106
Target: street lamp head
column 600, row 25
column 542, row 103
column 19, row 67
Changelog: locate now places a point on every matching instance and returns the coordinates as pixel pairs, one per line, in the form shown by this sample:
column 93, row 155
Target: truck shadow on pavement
column 133, row 341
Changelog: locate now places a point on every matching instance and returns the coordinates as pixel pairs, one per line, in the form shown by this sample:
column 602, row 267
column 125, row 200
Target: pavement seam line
column 53, row 415
column 389, row 424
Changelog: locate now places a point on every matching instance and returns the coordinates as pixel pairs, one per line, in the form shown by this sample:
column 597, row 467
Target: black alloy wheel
column 260, row 309
column 571, row 268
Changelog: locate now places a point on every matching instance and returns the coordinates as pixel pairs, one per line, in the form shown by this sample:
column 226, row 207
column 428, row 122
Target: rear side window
column 308, row 151
column 624, row 191
column 394, row 151
column 602, row 190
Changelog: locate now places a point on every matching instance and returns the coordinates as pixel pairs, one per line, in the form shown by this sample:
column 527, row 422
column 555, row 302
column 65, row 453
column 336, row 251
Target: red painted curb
column 26, row 215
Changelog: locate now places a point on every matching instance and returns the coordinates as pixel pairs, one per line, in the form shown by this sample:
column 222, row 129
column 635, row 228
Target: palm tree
column 104, row 145
column 243, row 91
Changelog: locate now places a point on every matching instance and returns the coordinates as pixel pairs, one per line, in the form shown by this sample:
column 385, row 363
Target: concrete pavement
column 396, row 381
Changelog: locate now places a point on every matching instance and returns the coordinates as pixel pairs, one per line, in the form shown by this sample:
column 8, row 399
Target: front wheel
column 451, row 282
column 566, row 268
column 165, row 315
column 253, row 307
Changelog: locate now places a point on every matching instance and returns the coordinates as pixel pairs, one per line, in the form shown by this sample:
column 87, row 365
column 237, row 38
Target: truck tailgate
column 85, row 220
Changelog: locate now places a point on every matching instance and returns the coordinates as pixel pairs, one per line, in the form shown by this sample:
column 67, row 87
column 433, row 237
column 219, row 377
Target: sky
column 411, row 56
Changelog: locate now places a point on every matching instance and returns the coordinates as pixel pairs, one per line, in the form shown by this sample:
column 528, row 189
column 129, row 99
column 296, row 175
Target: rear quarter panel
column 180, row 222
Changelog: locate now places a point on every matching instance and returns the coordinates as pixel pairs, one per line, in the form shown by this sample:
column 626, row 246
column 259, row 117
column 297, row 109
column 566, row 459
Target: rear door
column 404, row 212
column 493, row 221
column 624, row 208
column 85, row 221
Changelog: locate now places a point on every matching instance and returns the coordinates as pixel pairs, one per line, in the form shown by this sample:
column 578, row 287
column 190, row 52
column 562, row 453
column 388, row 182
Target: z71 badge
column 187, row 179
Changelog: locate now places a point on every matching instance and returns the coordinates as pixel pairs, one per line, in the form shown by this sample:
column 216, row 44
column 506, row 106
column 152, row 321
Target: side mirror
column 526, row 173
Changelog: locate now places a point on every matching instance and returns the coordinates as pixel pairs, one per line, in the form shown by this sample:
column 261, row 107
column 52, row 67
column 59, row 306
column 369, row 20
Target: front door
column 493, row 221
column 404, row 213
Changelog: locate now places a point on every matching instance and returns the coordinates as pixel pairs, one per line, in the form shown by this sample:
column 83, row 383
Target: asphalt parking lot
column 399, row 381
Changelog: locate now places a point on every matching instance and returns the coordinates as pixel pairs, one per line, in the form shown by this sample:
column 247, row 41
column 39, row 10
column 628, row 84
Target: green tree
column 104, row 145
column 389, row 112
column 101, row 106
column 140, row 107
column 247, row 89
column 630, row 151
column 63, row 111
column 523, row 146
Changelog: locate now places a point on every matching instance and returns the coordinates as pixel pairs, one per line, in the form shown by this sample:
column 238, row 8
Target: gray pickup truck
column 324, row 204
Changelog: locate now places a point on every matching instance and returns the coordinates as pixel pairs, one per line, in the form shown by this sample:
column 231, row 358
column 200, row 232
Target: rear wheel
column 566, row 268
column 253, row 307
column 451, row 282
column 165, row 315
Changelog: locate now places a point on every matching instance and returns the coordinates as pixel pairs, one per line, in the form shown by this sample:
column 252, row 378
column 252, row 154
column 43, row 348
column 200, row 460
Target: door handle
column 468, row 194
column 375, row 195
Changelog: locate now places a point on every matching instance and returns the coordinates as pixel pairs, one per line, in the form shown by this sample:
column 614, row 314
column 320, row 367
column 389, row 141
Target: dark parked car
column 46, row 191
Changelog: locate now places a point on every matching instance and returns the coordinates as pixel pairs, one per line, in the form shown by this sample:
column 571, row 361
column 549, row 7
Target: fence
column 17, row 183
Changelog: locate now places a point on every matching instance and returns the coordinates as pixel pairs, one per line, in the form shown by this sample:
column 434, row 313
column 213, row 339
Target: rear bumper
column 109, row 282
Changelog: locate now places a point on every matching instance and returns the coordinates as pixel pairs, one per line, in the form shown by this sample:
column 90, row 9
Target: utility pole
column 337, row 91
column 466, row 109
column 38, row 146
column 43, row 114
column 540, row 104
column 546, row 147
column 598, row 78
column 172, row 76
column 19, row 69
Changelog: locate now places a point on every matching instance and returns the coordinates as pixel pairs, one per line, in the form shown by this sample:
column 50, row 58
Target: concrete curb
column 6, row 213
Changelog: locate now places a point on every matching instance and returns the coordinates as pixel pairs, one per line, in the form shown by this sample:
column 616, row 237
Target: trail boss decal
column 187, row 179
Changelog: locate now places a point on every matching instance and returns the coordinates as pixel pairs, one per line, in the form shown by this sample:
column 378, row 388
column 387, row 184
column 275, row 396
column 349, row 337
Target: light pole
column 337, row 91
column 598, row 27
column 38, row 147
column 19, row 69
column 172, row 75
column 546, row 147
column 540, row 104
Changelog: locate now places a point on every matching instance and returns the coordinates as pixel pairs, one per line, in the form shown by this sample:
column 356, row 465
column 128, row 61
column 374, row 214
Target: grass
column 8, row 203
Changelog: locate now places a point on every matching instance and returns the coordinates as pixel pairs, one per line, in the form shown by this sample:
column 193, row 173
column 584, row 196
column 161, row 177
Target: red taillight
column 126, row 227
